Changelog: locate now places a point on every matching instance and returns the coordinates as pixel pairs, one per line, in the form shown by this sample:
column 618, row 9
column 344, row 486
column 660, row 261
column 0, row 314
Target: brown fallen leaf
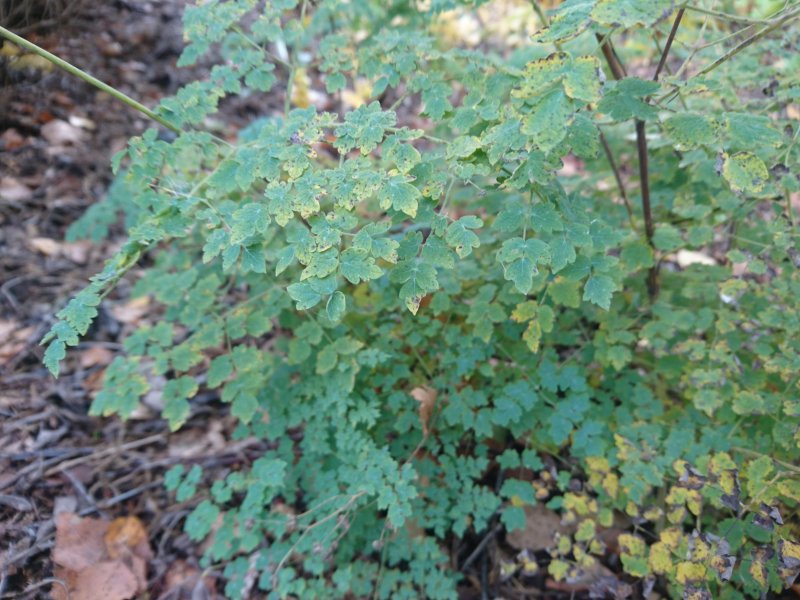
column 98, row 559
column 77, row 252
column 45, row 246
column 541, row 527
column 125, row 534
column 79, row 542
column 132, row 311
column 11, row 139
column 185, row 582
column 13, row 190
column 14, row 339
column 109, row 580
column 61, row 133
column 96, row 355
column 426, row 397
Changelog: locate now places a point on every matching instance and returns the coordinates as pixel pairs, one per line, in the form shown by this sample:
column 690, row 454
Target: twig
column 644, row 172
column 159, row 437
column 81, row 489
column 773, row 25
column 540, row 13
column 73, row 70
column 105, row 504
column 668, row 45
column 30, row 469
column 479, row 548
column 722, row 15
column 36, row 586
column 614, row 63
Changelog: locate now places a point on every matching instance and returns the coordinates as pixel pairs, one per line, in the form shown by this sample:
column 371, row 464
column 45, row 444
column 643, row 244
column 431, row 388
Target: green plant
column 435, row 323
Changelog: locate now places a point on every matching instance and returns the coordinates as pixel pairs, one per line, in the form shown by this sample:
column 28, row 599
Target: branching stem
column 618, row 71
column 73, row 70
column 722, row 15
column 772, row 26
column 668, row 45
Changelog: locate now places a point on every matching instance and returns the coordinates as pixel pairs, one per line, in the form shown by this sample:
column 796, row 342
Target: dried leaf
column 98, row 559
column 541, row 527
column 61, row 133
column 12, row 190
column 427, row 401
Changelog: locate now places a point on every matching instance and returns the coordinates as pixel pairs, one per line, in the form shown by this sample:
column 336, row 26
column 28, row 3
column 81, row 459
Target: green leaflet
column 398, row 194
column 418, row 279
column 309, row 293
column 553, row 89
column 176, row 400
column 364, row 128
column 627, row 13
column 461, row 238
column 357, row 266
column 570, row 21
column 521, row 259
column 598, row 290
column 575, row 16
column 689, row 130
column 626, row 100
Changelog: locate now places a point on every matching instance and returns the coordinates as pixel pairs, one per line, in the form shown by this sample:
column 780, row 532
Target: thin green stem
column 73, row 70
column 287, row 101
column 773, row 25
column 257, row 46
column 447, row 194
column 540, row 13
column 723, row 15
column 292, row 66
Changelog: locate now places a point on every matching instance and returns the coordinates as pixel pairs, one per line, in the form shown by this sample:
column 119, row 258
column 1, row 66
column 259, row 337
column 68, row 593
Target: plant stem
column 73, row 70
column 722, row 15
column 618, row 176
column 614, row 63
column 668, row 45
column 540, row 13
column 772, row 26
column 644, row 180
column 292, row 65
column 618, row 70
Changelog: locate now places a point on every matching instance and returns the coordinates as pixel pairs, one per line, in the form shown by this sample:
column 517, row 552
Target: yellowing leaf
column 558, row 569
column 671, row 537
column 688, row 572
column 660, row 559
column 533, row 336
column 745, row 172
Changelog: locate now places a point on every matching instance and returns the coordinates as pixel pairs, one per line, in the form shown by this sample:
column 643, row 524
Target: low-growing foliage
column 498, row 270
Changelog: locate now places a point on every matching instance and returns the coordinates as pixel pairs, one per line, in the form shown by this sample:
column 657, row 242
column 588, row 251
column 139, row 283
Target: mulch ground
column 57, row 136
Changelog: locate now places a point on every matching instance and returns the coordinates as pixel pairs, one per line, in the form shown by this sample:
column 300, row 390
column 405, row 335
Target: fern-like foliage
column 466, row 294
